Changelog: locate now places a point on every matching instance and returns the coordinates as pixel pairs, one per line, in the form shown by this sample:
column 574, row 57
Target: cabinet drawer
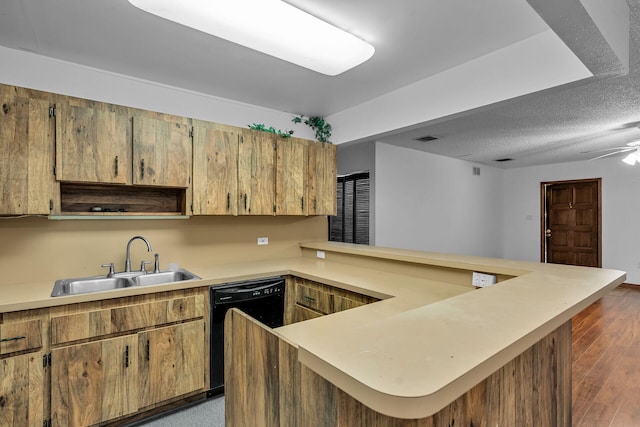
column 91, row 324
column 20, row 336
column 314, row 298
column 302, row 313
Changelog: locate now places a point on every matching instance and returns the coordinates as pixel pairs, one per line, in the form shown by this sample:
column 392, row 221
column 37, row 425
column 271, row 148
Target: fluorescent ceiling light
column 269, row 26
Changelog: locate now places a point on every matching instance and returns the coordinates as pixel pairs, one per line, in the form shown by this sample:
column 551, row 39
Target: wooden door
column 572, row 231
column 161, row 153
column 27, row 184
column 92, row 144
column 291, row 176
column 94, row 382
column 256, row 174
column 322, row 179
column 171, row 361
column 215, row 170
column 22, row 390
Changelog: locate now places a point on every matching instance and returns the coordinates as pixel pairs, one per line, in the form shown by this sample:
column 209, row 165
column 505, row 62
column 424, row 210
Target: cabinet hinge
column 46, row 360
column 274, row 208
column 52, row 111
column 191, row 207
column 55, row 171
column 191, row 133
column 275, row 146
column 241, row 138
column 46, row 423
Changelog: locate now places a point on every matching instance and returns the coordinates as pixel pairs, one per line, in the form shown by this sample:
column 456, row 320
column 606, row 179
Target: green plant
column 271, row 129
column 321, row 128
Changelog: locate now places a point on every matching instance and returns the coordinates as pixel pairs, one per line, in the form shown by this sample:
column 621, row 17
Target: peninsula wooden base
column 267, row 386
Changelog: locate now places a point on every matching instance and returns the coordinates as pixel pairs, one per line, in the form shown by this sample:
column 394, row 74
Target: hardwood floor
column 606, row 361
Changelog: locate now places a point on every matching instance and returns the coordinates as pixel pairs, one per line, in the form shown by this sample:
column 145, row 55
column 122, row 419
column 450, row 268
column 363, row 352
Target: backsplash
column 36, row 249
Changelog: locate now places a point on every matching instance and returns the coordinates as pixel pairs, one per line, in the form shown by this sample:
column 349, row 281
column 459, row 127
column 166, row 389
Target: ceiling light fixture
column 269, row 26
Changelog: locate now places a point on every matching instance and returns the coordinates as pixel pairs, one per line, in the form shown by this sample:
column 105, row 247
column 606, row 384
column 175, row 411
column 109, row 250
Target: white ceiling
column 414, row 39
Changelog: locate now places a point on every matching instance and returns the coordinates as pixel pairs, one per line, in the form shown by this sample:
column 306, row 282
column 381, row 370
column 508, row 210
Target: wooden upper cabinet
column 291, row 176
column 215, row 170
column 256, row 173
column 91, row 143
column 322, row 179
column 27, row 184
column 161, row 153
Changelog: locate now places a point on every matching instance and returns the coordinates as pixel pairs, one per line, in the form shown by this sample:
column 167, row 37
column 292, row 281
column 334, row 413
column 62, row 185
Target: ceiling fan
column 633, row 148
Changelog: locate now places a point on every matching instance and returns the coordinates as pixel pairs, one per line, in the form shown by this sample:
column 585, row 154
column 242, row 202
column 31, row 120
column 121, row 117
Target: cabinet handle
column 142, row 169
column 148, row 355
column 12, row 339
column 116, row 165
column 302, row 202
column 126, row 357
column 308, row 298
column 228, row 201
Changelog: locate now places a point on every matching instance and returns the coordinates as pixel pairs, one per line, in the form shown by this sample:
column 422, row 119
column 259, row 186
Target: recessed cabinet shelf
column 89, row 200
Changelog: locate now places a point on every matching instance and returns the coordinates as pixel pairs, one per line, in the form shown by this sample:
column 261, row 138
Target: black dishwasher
column 262, row 299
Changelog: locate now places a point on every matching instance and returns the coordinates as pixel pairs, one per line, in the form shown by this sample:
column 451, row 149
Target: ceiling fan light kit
column 269, row 26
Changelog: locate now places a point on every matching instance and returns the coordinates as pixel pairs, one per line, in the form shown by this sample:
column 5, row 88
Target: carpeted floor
column 209, row 413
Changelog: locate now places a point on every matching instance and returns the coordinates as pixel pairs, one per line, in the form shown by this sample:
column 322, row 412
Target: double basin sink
column 118, row 281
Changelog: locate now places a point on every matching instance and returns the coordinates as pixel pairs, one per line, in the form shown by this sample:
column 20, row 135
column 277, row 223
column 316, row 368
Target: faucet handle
column 142, row 264
column 156, row 264
column 111, row 272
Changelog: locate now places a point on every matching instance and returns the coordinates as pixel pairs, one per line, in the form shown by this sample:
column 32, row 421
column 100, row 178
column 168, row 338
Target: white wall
column 435, row 203
column 32, row 71
column 620, row 207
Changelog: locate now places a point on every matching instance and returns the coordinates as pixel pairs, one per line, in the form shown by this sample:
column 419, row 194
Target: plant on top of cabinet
column 319, row 126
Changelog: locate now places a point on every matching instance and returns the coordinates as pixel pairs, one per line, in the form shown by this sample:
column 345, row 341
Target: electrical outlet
column 482, row 280
column 320, row 254
column 263, row 241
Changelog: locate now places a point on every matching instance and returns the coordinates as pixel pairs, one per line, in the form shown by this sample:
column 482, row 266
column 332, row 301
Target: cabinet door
column 94, row 382
column 91, row 144
column 322, row 179
column 26, row 154
column 171, row 361
column 22, row 390
column 256, row 174
column 215, row 171
column 291, row 176
column 161, row 153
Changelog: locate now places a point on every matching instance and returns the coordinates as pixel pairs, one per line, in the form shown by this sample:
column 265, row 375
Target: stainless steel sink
column 89, row 284
column 163, row 277
column 120, row 280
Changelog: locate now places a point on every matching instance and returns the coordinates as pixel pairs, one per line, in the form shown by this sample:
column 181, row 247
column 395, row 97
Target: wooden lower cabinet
column 111, row 378
column 171, row 362
column 307, row 299
column 22, row 390
column 94, row 382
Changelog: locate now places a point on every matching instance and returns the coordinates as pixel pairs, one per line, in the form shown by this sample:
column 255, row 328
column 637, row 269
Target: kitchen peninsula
column 431, row 351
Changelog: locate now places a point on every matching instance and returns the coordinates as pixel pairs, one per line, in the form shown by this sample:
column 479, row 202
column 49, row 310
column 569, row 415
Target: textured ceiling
column 578, row 122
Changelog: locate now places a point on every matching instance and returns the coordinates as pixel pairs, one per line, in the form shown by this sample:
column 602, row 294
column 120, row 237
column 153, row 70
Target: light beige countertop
column 426, row 343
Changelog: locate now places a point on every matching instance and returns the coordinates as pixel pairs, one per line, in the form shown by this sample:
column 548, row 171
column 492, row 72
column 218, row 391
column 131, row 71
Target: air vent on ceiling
column 427, row 138
column 506, row 159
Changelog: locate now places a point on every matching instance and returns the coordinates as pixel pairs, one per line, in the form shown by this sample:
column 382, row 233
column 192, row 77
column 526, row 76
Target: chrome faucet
column 127, row 262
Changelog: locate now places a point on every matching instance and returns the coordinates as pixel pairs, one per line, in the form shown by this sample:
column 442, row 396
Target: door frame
column 543, row 215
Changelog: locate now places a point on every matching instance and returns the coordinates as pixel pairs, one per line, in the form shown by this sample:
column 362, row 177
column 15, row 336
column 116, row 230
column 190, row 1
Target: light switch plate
column 263, row 241
column 320, row 254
